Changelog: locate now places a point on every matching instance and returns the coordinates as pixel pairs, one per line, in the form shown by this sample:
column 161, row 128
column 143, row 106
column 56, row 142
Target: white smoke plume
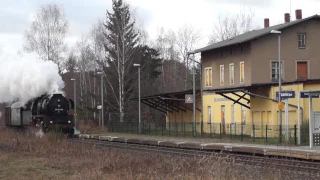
column 24, row 76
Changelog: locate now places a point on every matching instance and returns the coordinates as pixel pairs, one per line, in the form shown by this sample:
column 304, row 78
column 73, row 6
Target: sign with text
column 306, row 95
column 286, row 94
column 189, row 98
column 281, row 105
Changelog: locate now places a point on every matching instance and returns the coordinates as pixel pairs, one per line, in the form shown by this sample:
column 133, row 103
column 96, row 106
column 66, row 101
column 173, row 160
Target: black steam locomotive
column 46, row 112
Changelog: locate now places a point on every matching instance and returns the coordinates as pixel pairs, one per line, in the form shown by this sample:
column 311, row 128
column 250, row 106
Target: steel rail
column 271, row 162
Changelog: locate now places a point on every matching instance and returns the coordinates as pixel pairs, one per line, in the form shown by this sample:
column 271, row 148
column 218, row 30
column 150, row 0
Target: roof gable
column 248, row 36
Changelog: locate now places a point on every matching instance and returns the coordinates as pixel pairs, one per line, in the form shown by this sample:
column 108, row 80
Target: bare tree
column 188, row 38
column 47, row 33
column 97, row 40
column 232, row 25
column 71, row 63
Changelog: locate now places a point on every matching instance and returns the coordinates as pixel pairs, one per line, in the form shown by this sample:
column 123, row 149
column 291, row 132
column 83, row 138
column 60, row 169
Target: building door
column 302, row 70
column 210, row 118
column 232, row 114
column 209, row 114
column 243, row 115
column 223, row 119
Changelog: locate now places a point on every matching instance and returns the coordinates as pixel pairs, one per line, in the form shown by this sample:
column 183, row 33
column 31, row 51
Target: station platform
column 299, row 152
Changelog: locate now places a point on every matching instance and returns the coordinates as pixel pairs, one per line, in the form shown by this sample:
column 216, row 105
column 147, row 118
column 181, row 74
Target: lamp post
column 138, row 65
column 102, row 113
column 194, row 100
column 75, row 102
column 280, row 77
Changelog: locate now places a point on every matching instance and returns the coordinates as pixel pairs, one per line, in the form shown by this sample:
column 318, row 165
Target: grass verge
column 25, row 156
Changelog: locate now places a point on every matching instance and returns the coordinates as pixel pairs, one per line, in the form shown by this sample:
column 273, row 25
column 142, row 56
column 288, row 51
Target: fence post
column 295, row 134
column 220, row 130
column 162, row 129
column 254, row 135
column 132, row 127
column 235, row 129
column 241, row 132
column 184, row 129
column 177, row 129
column 231, row 130
column 111, row 122
column 137, row 127
column 182, row 126
column 266, row 132
column 280, row 132
column 201, row 128
column 210, row 129
column 169, row 129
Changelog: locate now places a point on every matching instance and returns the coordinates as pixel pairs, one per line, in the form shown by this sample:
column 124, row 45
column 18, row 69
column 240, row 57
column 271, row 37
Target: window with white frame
column 208, row 77
column 231, row 73
column 275, row 70
column 221, row 74
column 242, row 72
column 301, row 40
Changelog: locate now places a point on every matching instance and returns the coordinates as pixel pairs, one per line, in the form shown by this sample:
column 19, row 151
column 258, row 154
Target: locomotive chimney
column 286, row 17
column 298, row 14
column 266, row 22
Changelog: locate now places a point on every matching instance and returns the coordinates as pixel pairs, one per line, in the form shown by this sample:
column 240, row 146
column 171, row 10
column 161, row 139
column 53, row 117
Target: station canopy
column 238, row 94
column 169, row 102
column 175, row 101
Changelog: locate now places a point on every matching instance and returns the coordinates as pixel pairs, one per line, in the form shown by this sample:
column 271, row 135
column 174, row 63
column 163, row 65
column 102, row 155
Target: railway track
column 297, row 166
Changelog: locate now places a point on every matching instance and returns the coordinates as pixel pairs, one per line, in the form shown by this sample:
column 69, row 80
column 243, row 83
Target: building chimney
column 266, row 22
column 298, row 14
column 286, row 17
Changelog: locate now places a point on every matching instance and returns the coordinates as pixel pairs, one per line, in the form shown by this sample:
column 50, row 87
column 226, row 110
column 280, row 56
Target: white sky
column 16, row 15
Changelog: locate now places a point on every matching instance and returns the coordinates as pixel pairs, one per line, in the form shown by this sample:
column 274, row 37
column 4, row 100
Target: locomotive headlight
column 69, row 122
column 51, row 122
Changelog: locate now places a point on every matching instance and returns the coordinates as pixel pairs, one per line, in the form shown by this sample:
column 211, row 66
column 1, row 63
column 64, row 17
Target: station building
column 240, row 78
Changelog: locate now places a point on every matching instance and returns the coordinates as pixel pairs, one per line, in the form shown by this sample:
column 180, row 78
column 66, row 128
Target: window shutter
column 302, row 70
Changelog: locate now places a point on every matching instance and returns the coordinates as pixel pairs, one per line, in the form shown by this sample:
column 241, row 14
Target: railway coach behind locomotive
column 47, row 111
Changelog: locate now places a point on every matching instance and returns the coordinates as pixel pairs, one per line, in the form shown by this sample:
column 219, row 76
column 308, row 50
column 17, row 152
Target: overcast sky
column 16, row 15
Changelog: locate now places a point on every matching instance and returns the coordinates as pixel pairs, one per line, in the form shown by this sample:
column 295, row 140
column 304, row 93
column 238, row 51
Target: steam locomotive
column 46, row 112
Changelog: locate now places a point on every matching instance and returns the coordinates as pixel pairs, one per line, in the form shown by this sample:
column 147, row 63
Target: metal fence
column 267, row 134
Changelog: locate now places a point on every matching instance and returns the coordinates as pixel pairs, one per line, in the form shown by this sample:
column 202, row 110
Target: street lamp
column 194, row 95
column 75, row 102
column 138, row 65
column 102, row 113
column 279, row 77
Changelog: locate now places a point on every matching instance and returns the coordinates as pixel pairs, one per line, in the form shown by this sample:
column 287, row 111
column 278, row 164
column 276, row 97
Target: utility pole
column 194, row 100
column 279, row 77
column 138, row 65
column 75, row 102
column 102, row 106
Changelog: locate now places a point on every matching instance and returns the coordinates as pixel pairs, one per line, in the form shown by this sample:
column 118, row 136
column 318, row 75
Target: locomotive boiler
column 46, row 112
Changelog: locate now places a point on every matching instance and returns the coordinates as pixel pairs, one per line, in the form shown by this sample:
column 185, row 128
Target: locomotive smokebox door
column 58, row 105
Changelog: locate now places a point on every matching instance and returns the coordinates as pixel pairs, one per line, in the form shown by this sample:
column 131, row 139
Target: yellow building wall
column 216, row 102
column 176, row 119
column 305, row 102
column 263, row 112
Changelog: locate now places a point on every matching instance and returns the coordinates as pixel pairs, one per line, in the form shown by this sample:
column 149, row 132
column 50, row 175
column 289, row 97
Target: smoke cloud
column 24, row 76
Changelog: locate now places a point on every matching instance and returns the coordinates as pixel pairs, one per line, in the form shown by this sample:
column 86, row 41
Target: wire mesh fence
column 266, row 134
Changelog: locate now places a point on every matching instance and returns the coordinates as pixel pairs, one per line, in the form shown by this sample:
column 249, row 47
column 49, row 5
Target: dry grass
column 25, row 156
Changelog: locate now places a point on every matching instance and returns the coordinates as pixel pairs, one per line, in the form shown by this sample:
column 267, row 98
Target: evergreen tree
column 123, row 50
